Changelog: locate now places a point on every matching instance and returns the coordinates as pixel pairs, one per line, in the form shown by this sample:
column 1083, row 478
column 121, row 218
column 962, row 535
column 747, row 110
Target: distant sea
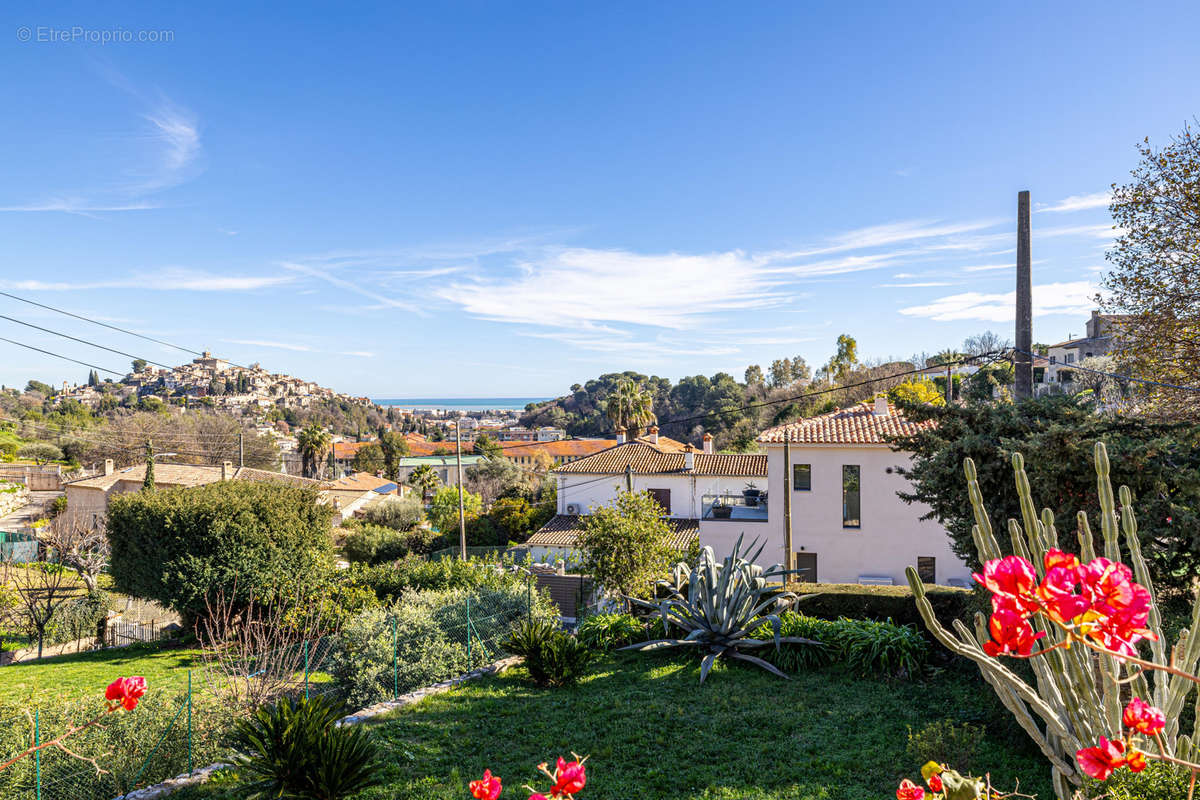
column 462, row 403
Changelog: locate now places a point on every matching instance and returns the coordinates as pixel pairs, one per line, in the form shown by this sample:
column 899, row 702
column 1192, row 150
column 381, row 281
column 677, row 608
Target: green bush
column 371, row 544
column 295, row 748
column 527, row 637
column 946, row 743
column 78, row 618
column 391, row 580
column 864, row 646
column 560, row 660
column 179, row 546
column 430, row 634
column 400, row 513
column 1159, row 781
column 606, row 632
column 880, row 603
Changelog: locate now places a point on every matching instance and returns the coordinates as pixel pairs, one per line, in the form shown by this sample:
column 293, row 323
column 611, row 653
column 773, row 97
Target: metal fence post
column 468, row 631
column 306, row 669
column 189, row 704
column 395, row 662
column 37, row 754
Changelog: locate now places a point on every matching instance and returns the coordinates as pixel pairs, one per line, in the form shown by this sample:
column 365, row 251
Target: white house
column 848, row 525
column 1098, row 340
column 686, row 483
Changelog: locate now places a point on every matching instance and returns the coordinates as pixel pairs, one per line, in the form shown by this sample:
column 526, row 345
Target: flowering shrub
column 568, row 777
column 123, row 693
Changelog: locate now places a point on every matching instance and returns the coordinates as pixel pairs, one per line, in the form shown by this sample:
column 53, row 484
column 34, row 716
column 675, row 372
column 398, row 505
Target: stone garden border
column 202, row 774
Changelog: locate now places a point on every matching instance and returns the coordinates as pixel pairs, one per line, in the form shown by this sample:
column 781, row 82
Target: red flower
column 935, row 783
column 1057, row 593
column 1143, row 717
column 569, row 777
column 126, row 692
column 1011, row 633
column 1057, row 558
column 1135, row 761
column 1102, row 760
column 487, row 787
column 909, row 791
column 1012, row 578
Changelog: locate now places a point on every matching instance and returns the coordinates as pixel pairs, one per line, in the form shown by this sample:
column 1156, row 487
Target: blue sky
column 486, row 199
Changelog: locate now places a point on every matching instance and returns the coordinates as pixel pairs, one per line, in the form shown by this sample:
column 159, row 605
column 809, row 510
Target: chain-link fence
column 377, row 656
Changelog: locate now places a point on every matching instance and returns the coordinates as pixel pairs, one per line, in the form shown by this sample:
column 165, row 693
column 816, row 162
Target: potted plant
column 720, row 510
column 751, row 493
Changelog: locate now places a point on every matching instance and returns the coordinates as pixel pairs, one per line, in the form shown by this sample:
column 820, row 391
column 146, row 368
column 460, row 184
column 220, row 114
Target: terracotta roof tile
column 563, row 448
column 563, row 529
column 856, row 425
column 646, row 459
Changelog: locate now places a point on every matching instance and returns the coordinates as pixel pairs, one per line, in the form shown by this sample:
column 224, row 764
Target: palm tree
column 424, row 478
column 630, row 406
column 315, row 443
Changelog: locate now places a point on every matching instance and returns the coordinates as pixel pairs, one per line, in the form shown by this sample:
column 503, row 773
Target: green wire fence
column 175, row 732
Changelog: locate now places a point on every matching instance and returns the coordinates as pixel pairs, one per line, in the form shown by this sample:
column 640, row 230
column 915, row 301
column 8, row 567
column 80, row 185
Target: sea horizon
column 461, row 403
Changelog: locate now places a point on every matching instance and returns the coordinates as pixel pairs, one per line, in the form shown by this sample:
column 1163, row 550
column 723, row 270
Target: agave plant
column 724, row 604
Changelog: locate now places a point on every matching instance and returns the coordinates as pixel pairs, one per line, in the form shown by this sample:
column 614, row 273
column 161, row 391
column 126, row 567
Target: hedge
column 879, row 603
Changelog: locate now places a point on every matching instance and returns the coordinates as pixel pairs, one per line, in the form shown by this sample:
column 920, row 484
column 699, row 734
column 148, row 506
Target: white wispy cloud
column 300, row 348
column 360, row 288
column 1074, row 297
column 917, row 285
column 167, row 279
column 892, row 233
column 1098, row 231
column 563, row 287
column 987, row 267
column 1079, row 202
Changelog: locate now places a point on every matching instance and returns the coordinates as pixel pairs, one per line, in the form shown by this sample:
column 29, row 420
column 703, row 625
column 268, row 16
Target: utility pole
column 629, row 478
column 241, row 450
column 787, row 509
column 1023, row 361
column 462, row 520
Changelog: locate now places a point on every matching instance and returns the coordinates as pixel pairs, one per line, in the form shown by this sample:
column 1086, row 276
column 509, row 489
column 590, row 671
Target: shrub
column 881, row 603
column 1159, row 781
column 605, row 632
column 371, row 544
column 295, row 748
column 78, row 618
column 864, row 646
column 179, row 546
column 946, row 743
column 560, row 660
column 443, row 508
column 389, row 581
column 527, row 637
column 399, row 513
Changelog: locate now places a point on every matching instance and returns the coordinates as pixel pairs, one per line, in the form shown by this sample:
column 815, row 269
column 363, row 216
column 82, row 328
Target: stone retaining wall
column 202, row 774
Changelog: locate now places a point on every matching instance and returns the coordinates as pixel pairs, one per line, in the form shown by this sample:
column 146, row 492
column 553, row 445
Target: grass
column 653, row 732
column 69, row 676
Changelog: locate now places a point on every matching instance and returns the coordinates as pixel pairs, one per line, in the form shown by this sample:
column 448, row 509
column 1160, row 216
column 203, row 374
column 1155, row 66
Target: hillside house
column 848, row 523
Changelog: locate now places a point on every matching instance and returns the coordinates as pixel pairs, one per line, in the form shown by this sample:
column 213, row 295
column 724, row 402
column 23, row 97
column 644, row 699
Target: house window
column 1070, row 358
column 1053, row 359
column 662, row 497
column 802, row 477
column 851, row 496
column 927, row 569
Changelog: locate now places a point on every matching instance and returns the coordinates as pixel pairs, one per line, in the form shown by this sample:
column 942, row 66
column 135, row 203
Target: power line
column 64, row 358
column 112, row 327
column 84, row 341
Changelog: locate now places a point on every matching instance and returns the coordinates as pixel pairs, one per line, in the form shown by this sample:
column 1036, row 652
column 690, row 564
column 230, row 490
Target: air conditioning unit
column 574, row 508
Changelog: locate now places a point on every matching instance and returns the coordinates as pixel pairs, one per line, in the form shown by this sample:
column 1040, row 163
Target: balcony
column 734, row 507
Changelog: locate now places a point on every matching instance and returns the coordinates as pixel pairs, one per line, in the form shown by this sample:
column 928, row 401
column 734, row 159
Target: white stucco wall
column 687, row 491
column 891, row 537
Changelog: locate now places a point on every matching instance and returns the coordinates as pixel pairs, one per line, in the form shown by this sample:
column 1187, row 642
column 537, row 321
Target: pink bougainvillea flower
column 487, row 787
column 569, row 777
column 909, row 791
column 1011, row 633
column 1143, row 717
column 935, row 783
column 1057, row 593
column 126, row 692
column 1108, row 585
column 1011, row 577
column 1102, row 760
column 1057, row 558
column 1136, row 761
column 538, row 796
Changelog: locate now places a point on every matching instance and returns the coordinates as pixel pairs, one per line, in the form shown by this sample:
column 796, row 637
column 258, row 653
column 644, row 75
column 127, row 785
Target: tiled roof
column 349, row 449
column 164, row 474
column 562, row 530
column 856, row 425
column 361, row 481
column 267, row 476
column 563, row 448
column 646, row 459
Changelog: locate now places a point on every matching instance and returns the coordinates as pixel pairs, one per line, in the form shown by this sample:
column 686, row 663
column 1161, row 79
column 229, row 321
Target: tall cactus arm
column 981, row 517
column 1108, row 506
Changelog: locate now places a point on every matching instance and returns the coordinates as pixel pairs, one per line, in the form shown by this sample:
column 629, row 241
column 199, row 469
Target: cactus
column 1075, row 695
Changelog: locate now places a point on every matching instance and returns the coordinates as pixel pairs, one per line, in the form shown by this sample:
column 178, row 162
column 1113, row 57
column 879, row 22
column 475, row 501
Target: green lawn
column 653, row 732
column 69, row 676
